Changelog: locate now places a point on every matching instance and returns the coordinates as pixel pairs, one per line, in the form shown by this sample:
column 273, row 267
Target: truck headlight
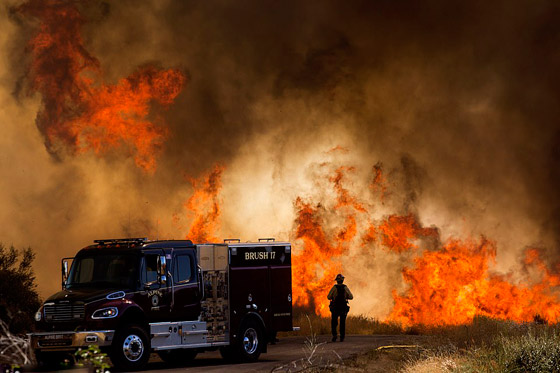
column 38, row 315
column 105, row 313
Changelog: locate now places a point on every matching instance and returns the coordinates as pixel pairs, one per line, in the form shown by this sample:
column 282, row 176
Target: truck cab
column 132, row 297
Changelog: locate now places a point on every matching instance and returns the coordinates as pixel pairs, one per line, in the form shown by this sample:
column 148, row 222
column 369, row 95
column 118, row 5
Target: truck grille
column 59, row 343
column 65, row 312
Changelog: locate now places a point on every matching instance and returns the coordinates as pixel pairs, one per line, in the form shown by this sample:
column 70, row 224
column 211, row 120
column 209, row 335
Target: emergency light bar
column 270, row 239
column 121, row 240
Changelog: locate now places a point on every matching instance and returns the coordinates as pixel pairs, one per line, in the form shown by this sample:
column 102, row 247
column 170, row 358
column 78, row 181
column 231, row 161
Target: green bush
column 94, row 358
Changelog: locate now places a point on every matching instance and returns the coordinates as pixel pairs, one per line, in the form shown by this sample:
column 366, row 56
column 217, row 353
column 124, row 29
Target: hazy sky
column 458, row 100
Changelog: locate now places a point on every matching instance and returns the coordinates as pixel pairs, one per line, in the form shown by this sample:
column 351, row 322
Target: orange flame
column 449, row 283
column 79, row 111
column 399, row 232
column 204, row 206
column 313, row 269
column 316, row 263
column 453, row 285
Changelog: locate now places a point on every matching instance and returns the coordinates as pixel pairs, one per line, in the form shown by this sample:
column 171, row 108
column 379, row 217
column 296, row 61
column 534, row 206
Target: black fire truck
column 132, row 297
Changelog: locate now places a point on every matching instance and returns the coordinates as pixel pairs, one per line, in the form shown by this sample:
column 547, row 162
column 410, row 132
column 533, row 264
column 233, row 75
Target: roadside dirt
column 289, row 352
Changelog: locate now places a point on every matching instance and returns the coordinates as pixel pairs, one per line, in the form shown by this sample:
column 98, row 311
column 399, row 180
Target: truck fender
column 133, row 315
column 258, row 318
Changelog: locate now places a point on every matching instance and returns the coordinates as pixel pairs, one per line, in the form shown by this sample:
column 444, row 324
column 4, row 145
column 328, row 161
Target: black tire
column 130, row 349
column 228, row 353
column 250, row 342
column 178, row 357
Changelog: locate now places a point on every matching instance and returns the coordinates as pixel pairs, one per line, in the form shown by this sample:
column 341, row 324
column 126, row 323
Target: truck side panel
column 248, row 293
column 261, row 282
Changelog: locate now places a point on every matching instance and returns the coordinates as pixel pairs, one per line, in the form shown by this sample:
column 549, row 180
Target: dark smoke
column 459, row 100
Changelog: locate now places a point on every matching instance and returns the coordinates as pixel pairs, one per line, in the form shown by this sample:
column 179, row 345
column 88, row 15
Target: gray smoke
column 458, row 100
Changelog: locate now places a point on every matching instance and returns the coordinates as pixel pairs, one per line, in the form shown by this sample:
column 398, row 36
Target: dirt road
column 285, row 352
column 288, row 353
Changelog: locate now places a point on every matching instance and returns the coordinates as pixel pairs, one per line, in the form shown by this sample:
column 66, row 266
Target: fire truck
column 132, row 297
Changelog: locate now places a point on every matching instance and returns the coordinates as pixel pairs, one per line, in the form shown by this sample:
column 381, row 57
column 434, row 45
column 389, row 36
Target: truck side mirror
column 162, row 269
column 64, row 270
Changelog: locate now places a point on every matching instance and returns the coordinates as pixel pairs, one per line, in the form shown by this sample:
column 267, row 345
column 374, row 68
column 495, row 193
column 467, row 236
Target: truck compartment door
column 194, row 332
column 249, row 292
column 281, row 298
column 165, row 334
column 170, row 335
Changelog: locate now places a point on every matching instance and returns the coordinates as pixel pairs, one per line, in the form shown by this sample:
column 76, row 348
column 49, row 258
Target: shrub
column 18, row 295
column 534, row 352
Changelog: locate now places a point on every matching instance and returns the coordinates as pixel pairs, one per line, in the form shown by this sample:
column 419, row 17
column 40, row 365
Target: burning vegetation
column 336, row 228
column 203, row 206
column 447, row 283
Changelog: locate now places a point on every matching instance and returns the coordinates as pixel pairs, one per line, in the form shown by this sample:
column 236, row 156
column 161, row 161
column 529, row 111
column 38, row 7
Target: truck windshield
column 106, row 270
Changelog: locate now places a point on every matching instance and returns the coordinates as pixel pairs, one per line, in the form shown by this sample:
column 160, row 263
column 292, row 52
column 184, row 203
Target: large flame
column 79, row 111
column 316, row 261
column 203, row 206
column 448, row 283
column 452, row 285
column 398, row 233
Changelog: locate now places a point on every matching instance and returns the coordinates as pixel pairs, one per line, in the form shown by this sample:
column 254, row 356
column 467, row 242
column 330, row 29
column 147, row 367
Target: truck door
column 187, row 295
column 155, row 294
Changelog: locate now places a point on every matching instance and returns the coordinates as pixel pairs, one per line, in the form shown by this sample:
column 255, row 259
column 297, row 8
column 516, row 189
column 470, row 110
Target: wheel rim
column 250, row 341
column 133, row 348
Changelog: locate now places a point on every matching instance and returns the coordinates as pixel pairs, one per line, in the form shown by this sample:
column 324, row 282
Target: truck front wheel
column 130, row 349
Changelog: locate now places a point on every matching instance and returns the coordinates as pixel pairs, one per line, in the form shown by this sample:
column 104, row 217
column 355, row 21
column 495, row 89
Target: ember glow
column 79, row 111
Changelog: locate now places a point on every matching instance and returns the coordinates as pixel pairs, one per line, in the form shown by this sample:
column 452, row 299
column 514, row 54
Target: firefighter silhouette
column 339, row 296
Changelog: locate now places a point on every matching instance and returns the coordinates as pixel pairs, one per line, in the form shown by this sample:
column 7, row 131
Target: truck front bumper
column 65, row 341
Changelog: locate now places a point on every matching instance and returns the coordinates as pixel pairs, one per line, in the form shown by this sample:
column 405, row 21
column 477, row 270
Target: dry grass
column 433, row 364
column 309, row 322
column 14, row 350
column 314, row 360
column 485, row 345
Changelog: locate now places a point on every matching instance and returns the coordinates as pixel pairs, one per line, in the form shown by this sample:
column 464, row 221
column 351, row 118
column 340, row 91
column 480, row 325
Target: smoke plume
column 446, row 113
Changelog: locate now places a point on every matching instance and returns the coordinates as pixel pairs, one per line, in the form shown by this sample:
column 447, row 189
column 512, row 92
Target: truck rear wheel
column 228, row 353
column 130, row 349
column 178, row 357
column 250, row 341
